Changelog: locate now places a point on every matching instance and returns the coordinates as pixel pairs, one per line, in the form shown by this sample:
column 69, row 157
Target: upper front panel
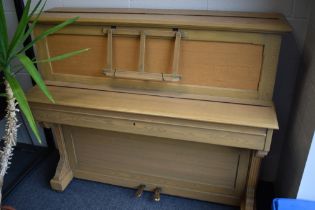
column 201, row 63
column 179, row 62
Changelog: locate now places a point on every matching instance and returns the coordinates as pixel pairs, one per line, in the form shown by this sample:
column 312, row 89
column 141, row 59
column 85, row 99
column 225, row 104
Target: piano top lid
column 193, row 19
column 157, row 106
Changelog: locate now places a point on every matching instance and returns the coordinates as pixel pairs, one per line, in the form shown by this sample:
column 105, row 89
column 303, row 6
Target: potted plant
column 15, row 97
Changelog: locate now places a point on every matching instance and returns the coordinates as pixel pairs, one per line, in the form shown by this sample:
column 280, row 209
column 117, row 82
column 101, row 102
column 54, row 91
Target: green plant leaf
column 4, row 35
column 32, row 26
column 35, row 8
column 22, row 101
column 21, row 34
column 31, row 69
column 1, row 65
column 20, row 29
column 63, row 56
column 48, row 32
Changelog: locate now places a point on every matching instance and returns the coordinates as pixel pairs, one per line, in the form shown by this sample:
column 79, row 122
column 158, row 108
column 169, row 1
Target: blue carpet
column 34, row 193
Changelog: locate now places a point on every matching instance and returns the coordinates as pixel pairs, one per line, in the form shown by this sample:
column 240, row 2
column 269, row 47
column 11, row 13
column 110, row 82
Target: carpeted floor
column 24, row 157
column 34, row 193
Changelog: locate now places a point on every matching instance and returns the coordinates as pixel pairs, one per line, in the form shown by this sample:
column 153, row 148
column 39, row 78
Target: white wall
column 302, row 122
column 307, row 186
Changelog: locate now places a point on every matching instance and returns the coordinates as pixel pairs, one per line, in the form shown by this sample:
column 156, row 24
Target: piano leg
column 249, row 202
column 64, row 174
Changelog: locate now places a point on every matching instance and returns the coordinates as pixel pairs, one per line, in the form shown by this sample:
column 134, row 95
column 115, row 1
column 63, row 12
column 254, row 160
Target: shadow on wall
column 300, row 127
column 289, row 62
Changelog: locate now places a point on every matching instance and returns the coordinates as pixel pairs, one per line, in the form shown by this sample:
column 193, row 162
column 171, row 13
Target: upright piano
column 174, row 101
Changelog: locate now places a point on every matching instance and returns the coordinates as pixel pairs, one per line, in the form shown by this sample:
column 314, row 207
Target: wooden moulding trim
column 269, row 66
column 139, row 32
column 249, row 200
column 186, row 34
column 142, row 52
column 268, row 140
column 173, row 89
column 242, row 171
column 224, row 21
column 151, row 119
column 141, row 75
column 175, row 63
column 109, row 49
column 166, row 11
column 240, row 139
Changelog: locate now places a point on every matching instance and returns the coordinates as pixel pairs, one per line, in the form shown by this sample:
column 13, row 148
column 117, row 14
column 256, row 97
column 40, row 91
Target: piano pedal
column 157, row 194
column 140, row 190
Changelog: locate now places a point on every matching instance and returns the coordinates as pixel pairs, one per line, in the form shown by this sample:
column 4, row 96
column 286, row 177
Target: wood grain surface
column 192, row 19
column 215, row 112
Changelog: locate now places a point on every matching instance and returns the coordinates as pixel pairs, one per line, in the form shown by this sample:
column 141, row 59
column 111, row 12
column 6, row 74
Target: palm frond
column 63, row 56
column 31, row 69
column 10, row 50
column 4, row 36
column 32, row 26
column 49, row 32
column 20, row 29
column 22, row 101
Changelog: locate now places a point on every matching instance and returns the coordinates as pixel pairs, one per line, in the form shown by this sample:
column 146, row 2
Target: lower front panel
column 188, row 169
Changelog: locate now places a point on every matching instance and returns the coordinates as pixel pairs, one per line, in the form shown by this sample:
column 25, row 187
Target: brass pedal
column 140, row 190
column 157, row 194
